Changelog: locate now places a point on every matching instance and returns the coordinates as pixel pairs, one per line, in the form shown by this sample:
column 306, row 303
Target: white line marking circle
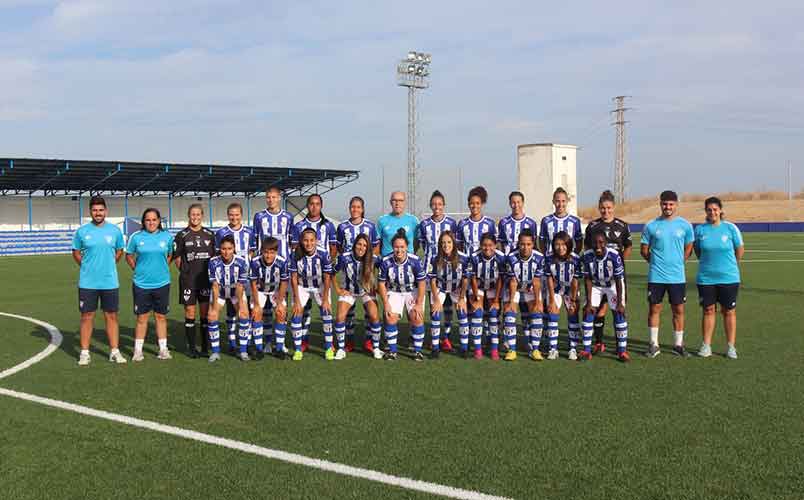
column 293, row 458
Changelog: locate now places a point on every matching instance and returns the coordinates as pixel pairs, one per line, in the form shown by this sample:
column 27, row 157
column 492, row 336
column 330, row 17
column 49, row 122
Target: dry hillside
column 737, row 207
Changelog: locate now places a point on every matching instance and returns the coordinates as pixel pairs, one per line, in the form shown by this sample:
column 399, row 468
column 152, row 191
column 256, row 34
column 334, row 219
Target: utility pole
column 620, row 156
column 413, row 72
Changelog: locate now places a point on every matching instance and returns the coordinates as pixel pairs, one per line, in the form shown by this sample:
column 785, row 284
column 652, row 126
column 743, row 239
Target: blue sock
column 476, row 328
column 435, row 330
column 376, row 331
column 213, row 327
column 552, row 331
column 242, row 334
column 268, row 328
column 463, row 329
column 326, row 319
column 509, row 325
column 573, row 329
column 279, row 337
column 417, row 332
column 621, row 329
column 494, row 327
column 536, row 326
column 257, row 329
column 390, row 337
column 296, row 323
column 340, row 334
column 588, row 329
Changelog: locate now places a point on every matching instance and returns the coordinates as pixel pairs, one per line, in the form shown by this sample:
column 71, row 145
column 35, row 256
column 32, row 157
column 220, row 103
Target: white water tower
column 541, row 168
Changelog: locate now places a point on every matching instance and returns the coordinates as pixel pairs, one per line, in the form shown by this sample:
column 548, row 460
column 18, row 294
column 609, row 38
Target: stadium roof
column 51, row 177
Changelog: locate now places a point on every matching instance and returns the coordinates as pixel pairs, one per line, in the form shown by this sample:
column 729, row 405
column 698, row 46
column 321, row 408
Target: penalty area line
column 293, row 458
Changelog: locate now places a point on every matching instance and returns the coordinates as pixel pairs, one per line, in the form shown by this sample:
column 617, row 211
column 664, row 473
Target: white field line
column 293, row 458
column 766, row 261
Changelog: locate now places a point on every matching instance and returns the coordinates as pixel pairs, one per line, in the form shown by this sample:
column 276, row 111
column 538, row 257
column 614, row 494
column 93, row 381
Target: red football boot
column 446, row 345
column 368, row 346
column 305, row 344
column 624, row 357
column 584, row 356
column 495, row 355
column 350, row 346
column 600, row 347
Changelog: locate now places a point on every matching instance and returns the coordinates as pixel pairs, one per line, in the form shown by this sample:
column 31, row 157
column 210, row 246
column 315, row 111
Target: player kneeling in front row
column 228, row 274
column 357, row 267
column 269, row 289
column 449, row 273
column 525, row 269
column 487, row 268
column 603, row 276
column 310, row 278
column 563, row 268
column 401, row 287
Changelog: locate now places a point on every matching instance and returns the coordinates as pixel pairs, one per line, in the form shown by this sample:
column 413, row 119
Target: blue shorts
column 151, row 299
column 676, row 292
column 88, row 300
column 725, row 295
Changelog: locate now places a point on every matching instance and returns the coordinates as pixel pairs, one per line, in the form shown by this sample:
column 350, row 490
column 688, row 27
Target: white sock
column 138, row 343
column 84, row 352
column 654, row 335
column 679, row 337
column 114, row 351
column 162, row 344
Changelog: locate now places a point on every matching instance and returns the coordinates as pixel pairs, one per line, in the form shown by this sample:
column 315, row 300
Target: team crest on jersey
column 162, row 244
column 680, row 233
column 725, row 238
column 141, row 243
column 88, row 237
column 109, row 240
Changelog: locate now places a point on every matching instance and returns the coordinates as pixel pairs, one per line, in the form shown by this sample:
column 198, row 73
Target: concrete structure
column 541, row 168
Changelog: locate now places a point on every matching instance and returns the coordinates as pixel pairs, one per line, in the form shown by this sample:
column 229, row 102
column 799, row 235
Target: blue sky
column 717, row 88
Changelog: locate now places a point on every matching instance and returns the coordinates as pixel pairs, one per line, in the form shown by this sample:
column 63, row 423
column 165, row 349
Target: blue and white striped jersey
column 351, row 268
column 311, row 268
column 602, row 270
column 243, row 237
column 430, row 230
column 551, row 225
column 228, row 275
column 470, row 232
column 488, row 271
column 449, row 277
column 278, row 225
column 401, row 277
column 563, row 272
column 524, row 271
column 269, row 276
column 325, row 230
column 347, row 232
column 508, row 230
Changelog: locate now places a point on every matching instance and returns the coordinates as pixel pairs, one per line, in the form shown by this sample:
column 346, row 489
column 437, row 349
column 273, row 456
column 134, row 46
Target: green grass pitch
column 665, row 428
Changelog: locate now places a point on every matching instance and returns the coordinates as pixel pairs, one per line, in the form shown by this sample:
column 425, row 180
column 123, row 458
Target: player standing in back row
column 428, row 233
column 472, row 228
column 618, row 237
column 193, row 246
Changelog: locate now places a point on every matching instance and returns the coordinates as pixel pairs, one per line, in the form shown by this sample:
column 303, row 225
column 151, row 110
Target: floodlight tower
column 412, row 72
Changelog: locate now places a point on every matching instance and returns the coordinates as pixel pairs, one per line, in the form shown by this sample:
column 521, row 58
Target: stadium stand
column 29, row 178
